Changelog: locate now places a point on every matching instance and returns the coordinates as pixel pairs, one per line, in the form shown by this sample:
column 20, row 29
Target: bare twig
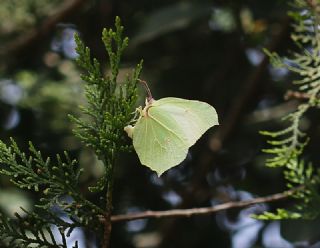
column 312, row 3
column 249, row 88
column 228, row 126
column 202, row 211
column 28, row 39
column 296, row 95
column 109, row 198
column 107, row 233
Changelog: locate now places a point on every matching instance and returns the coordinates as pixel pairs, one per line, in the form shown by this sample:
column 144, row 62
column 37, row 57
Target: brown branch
column 234, row 115
column 107, row 232
column 296, row 95
column 107, row 222
column 312, row 4
column 27, row 39
column 228, row 126
column 205, row 210
column 249, row 88
column 314, row 7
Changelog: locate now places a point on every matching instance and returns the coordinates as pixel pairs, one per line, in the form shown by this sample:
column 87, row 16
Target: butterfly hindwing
column 158, row 147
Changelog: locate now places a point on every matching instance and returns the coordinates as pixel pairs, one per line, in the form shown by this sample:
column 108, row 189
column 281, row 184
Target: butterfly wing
column 158, row 147
column 192, row 118
column 163, row 136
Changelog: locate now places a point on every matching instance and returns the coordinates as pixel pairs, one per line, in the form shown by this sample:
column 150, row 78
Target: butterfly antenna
column 149, row 98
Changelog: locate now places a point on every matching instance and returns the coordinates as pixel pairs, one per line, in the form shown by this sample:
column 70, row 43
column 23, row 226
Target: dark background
column 205, row 50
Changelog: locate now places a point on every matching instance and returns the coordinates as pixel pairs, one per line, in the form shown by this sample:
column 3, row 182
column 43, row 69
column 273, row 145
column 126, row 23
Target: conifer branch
column 110, row 107
column 287, row 145
column 296, row 95
column 33, row 230
column 55, row 181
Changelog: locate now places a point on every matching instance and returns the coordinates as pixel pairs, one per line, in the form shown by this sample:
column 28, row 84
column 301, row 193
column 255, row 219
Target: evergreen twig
column 287, row 145
column 110, row 107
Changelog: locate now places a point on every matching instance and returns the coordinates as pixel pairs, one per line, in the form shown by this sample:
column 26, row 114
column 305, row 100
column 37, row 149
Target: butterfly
column 167, row 128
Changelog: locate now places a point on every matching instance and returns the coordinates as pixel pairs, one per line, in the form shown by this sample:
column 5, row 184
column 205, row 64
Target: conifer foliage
column 287, row 145
column 109, row 108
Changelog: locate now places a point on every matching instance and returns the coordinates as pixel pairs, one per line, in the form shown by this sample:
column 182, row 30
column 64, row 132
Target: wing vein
column 164, row 126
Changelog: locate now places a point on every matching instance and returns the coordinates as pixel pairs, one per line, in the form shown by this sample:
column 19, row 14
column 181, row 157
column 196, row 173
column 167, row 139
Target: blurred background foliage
column 208, row 50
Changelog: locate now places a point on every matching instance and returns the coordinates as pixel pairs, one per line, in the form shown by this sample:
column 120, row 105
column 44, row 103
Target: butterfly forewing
column 193, row 118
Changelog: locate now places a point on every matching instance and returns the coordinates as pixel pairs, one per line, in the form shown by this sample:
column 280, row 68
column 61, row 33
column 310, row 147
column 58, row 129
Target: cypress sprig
column 279, row 215
column 34, row 172
column 33, row 231
column 55, row 181
column 110, row 103
column 110, row 107
column 287, row 145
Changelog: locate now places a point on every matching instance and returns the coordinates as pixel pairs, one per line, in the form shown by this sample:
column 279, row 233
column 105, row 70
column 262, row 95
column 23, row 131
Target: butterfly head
column 149, row 104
